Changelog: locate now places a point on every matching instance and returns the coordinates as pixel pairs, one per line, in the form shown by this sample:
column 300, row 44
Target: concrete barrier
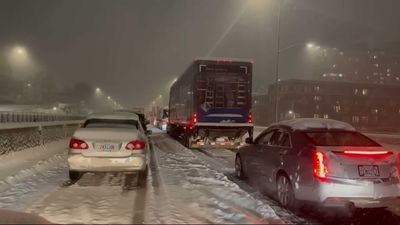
column 20, row 136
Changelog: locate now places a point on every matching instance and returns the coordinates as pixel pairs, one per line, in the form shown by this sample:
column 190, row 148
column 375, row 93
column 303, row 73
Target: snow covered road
column 183, row 186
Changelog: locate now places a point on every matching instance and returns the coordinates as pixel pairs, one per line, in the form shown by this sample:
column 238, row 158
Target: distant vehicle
column 162, row 119
column 210, row 103
column 138, row 112
column 322, row 161
column 113, row 142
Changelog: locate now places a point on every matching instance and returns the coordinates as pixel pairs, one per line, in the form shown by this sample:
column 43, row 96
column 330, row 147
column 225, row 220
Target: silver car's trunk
column 359, row 163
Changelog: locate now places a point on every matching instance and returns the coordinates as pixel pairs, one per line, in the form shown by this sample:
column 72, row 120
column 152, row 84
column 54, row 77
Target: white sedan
column 114, row 142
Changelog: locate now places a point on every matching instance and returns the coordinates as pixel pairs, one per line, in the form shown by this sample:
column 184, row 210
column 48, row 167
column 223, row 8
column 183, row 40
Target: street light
column 310, row 45
column 20, row 50
column 98, row 90
column 109, row 97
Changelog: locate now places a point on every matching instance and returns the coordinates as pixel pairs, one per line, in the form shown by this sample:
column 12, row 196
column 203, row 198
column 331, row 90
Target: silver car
column 321, row 161
column 113, row 142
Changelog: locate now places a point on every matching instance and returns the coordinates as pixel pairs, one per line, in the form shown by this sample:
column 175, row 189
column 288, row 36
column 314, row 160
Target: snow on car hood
column 115, row 134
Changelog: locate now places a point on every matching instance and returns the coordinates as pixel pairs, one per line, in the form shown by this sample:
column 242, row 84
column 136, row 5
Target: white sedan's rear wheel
column 74, row 175
column 239, row 168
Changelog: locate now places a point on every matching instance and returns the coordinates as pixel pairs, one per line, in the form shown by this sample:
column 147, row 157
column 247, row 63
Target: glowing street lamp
column 310, row 45
column 20, row 50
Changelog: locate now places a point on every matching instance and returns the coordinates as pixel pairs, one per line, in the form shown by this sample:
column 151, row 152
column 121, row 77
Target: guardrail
column 26, row 117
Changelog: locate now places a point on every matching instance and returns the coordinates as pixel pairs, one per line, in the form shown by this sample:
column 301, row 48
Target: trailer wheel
column 188, row 141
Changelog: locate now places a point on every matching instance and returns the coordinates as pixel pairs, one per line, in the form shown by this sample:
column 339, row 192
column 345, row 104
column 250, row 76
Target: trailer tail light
column 250, row 118
column 194, row 118
column 319, row 165
column 77, row 144
column 192, row 122
column 135, row 145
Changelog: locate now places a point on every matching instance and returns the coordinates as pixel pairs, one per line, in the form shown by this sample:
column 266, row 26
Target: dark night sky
column 133, row 49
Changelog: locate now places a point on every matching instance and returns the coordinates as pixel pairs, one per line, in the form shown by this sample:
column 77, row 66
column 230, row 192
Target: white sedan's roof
column 316, row 123
column 114, row 116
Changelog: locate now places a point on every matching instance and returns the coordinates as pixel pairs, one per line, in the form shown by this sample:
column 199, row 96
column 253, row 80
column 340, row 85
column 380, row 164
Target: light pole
column 277, row 59
column 309, row 45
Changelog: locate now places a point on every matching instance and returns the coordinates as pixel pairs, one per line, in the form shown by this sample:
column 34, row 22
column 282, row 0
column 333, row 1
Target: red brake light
column 398, row 164
column 192, row 121
column 135, row 145
column 360, row 152
column 250, row 118
column 77, row 144
column 319, row 165
column 194, row 118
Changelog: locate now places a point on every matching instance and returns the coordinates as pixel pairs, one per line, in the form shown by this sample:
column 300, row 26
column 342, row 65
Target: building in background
column 366, row 106
column 363, row 66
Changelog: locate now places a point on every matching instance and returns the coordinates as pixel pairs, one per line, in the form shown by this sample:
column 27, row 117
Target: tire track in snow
column 162, row 206
column 212, row 197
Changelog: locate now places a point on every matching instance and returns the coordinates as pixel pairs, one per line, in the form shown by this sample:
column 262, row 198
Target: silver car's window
column 111, row 123
column 339, row 138
column 264, row 139
column 276, row 139
column 286, row 142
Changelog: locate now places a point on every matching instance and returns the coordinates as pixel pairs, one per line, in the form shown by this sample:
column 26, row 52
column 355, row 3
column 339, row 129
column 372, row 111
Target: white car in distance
column 114, row 142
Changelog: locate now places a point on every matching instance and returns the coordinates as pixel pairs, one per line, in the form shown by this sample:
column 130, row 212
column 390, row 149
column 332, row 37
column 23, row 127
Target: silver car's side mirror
column 249, row 140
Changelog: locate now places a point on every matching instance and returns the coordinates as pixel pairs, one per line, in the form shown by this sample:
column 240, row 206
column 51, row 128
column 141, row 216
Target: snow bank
column 28, row 175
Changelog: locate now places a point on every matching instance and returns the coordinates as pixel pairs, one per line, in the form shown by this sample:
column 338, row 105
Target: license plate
column 106, row 147
column 368, row 171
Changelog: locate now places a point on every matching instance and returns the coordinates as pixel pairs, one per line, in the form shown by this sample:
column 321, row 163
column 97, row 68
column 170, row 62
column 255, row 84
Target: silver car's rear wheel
column 239, row 168
column 284, row 191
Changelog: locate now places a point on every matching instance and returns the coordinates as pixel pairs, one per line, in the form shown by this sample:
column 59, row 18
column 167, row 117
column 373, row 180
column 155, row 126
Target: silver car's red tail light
column 356, row 152
column 360, row 152
column 135, row 145
column 398, row 164
column 320, row 165
column 77, row 144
